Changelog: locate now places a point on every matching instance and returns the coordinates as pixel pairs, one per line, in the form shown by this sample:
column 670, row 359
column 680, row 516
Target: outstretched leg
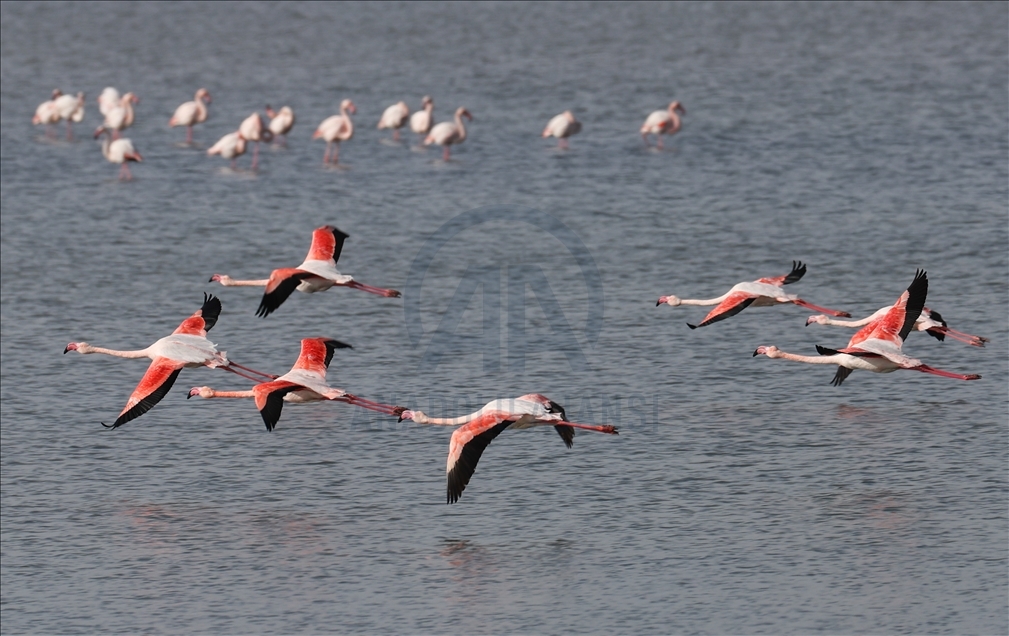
column 245, row 368
column 924, row 368
column 822, row 310
column 380, row 291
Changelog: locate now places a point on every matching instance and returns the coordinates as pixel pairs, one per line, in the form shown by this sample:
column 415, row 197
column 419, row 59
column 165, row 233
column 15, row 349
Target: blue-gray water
column 744, row 495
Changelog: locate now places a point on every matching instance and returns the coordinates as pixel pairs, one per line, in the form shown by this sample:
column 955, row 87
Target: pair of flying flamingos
column 875, row 347
column 188, row 346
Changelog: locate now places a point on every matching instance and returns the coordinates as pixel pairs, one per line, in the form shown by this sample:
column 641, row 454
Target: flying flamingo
column 119, row 151
column 317, row 273
column 422, row 120
column 108, row 100
column 562, row 126
column 120, row 116
column 336, row 129
column 663, row 122
column 252, row 128
column 281, row 122
column 394, row 117
column 230, row 146
column 762, row 292
column 305, row 382
column 479, row 428
column 186, row 347
column 191, row 113
column 47, row 113
column 447, row 133
column 877, row 346
column 929, row 321
column 70, row 108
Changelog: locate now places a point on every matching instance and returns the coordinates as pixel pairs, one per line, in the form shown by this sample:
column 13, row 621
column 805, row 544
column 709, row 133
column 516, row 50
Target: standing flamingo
column 663, row 122
column 422, row 120
column 281, row 122
column 562, row 126
column 305, row 382
column 120, row 116
column 929, row 321
column 119, row 151
column 230, row 146
column 186, row 347
column 447, row 133
column 394, row 117
column 479, row 428
column 252, row 128
column 763, row 292
column 189, row 114
column 317, row 273
column 47, row 113
column 877, row 346
column 108, row 100
column 70, row 108
column 336, row 129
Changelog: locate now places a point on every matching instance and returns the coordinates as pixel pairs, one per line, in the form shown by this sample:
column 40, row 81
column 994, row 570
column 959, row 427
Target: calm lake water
column 744, row 495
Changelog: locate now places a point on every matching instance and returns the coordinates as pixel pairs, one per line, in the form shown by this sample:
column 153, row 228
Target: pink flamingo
column 663, row 122
column 186, row 347
column 47, row 113
column 230, row 146
column 119, row 151
column 929, row 321
column 336, row 129
column 70, row 108
column 281, row 122
column 422, row 120
column 317, row 273
column 120, row 116
column 479, row 428
column 447, row 133
column 253, row 128
column 877, row 346
column 305, row 382
column 762, row 292
column 108, row 100
column 394, row 117
column 189, row 114
column 562, row 126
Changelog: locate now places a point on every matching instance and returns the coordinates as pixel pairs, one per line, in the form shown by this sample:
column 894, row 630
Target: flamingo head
column 570, row 116
column 223, row 279
column 132, row 98
column 100, row 131
column 462, row 112
column 677, row 106
column 203, row 94
column 203, row 391
column 79, row 347
column 820, row 320
column 348, row 106
column 415, row 416
column 426, row 100
column 56, row 93
column 672, row 301
column 770, row 352
column 270, row 112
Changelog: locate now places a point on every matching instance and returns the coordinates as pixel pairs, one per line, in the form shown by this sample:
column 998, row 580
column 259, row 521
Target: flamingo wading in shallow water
column 929, row 321
column 230, row 146
column 422, row 120
column 663, row 122
column 120, row 116
column 46, row 113
column 305, row 382
column 877, row 346
column 189, row 114
column 762, row 292
column 479, row 428
column 394, row 117
column 336, row 129
column 281, row 122
column 186, row 347
column 317, row 273
column 448, row 133
column 120, row 151
column 108, row 100
column 562, row 126
column 252, row 128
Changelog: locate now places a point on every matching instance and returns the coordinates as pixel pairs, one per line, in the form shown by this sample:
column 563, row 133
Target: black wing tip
column 210, row 311
column 331, row 346
column 938, row 335
column 798, row 271
column 692, row 326
column 824, row 351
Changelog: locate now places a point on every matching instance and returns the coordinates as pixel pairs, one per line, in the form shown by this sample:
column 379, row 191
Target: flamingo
column 108, row 100
column 317, row 273
column 929, row 321
column 877, row 346
column 119, row 151
column 762, row 292
column 479, row 428
column 120, row 116
column 562, row 126
column 252, row 128
column 46, row 113
column 447, row 133
column 422, row 120
column 281, row 121
column 663, row 122
column 230, row 146
column 70, row 108
column 186, row 347
column 189, row 114
column 336, row 129
column 394, row 117
column 305, row 382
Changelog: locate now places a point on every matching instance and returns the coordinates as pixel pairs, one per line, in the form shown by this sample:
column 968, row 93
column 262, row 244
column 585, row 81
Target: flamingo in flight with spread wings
column 762, row 292
column 317, row 273
column 929, row 321
column 305, row 382
column 186, row 347
column 877, row 346
column 479, row 428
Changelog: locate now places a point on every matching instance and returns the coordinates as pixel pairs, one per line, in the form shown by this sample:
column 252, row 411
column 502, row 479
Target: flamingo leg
column 245, row 368
column 562, row 144
column 822, row 310
column 644, row 138
column 658, row 141
column 444, row 153
column 977, row 341
column 924, row 368
column 606, row 428
column 325, row 156
column 336, row 153
column 379, row 291
column 395, row 134
column 124, row 172
column 70, row 131
column 244, row 375
column 378, row 407
column 234, row 164
column 255, row 156
column 189, row 134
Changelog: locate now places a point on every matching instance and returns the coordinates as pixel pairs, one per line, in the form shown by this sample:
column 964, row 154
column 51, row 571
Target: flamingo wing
column 798, row 271
column 317, row 353
column 842, row 373
column 282, row 284
column 898, row 322
column 270, row 400
column 735, row 303
column 566, row 432
column 204, row 319
column 153, row 386
column 327, row 243
column 467, row 445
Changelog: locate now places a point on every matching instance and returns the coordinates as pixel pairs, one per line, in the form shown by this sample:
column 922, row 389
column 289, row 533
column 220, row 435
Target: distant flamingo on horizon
column 663, row 122
column 479, row 428
column 562, row 126
column 448, row 133
column 188, row 346
column 762, row 292
column 929, row 321
column 317, row 273
column 877, row 346
column 119, row 151
column 189, row 114
column 305, row 382
column 230, row 146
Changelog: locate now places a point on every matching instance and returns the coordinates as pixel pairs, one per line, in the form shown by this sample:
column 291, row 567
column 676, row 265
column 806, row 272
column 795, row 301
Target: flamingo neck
column 462, row 127
column 230, row 282
column 837, row 358
column 230, row 394
column 445, row 421
column 700, row 301
column 847, row 323
column 139, row 353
